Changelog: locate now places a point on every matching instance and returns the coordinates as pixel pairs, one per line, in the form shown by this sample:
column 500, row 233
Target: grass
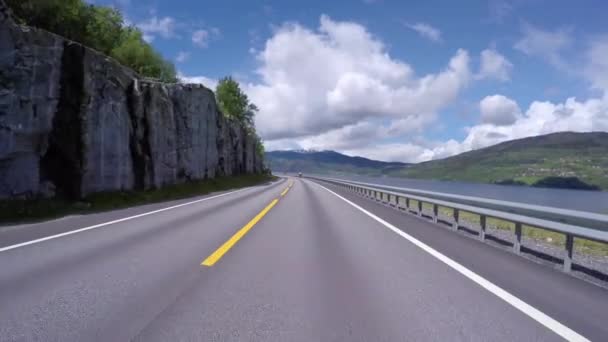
column 18, row 211
column 585, row 160
column 557, row 239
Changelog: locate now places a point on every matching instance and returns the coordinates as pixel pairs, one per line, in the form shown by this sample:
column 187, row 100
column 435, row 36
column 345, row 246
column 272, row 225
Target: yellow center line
column 219, row 253
column 287, row 189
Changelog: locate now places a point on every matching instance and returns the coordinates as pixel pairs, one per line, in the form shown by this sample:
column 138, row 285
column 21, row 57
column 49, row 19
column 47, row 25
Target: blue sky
column 394, row 80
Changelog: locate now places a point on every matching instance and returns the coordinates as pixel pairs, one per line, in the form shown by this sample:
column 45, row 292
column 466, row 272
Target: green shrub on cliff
column 142, row 58
column 101, row 28
column 234, row 103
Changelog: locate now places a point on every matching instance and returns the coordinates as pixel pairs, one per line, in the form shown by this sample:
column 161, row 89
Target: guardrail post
column 435, row 213
column 517, row 241
column 407, row 204
column 569, row 247
column 420, row 208
column 456, row 214
column 482, row 227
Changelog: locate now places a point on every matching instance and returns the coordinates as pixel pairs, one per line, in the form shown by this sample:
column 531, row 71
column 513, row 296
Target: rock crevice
column 62, row 163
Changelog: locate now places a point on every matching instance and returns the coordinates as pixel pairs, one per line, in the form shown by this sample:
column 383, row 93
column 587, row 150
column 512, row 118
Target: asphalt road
column 270, row 264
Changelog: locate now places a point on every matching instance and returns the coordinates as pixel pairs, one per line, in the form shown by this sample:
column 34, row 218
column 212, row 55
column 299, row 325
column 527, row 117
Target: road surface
column 293, row 260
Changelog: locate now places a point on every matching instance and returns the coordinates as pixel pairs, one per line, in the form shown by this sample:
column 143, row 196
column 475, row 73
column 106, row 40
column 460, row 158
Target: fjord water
column 592, row 201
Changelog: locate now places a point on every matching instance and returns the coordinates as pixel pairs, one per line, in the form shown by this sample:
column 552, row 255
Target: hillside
column 525, row 161
column 528, row 160
column 328, row 162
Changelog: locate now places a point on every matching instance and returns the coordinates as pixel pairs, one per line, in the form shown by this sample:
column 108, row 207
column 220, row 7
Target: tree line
column 98, row 27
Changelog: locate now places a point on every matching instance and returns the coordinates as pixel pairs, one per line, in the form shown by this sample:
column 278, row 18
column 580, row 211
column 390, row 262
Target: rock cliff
column 75, row 122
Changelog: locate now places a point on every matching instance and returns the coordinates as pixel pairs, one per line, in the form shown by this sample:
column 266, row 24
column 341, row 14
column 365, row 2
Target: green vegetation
column 235, row 105
column 101, row 28
column 580, row 155
column 538, row 234
column 564, row 183
column 509, row 182
column 33, row 210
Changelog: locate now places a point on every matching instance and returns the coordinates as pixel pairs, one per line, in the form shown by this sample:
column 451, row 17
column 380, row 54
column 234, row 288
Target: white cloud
column 494, row 65
column 317, row 81
column 355, row 135
column 148, row 37
column 206, row 81
column 164, row 27
column 200, row 38
column 540, row 118
column 426, row 30
column 543, row 118
column 337, row 87
column 499, row 110
column 544, row 44
column 408, row 152
column 182, row 56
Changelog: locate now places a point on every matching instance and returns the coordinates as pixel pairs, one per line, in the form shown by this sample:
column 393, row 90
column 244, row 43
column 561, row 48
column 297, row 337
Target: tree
column 104, row 28
column 259, row 147
column 64, row 17
column 233, row 102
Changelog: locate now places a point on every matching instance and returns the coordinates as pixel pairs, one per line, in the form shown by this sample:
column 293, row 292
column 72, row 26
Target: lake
column 593, row 201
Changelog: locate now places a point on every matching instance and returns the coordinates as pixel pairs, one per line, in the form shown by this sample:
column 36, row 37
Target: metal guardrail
column 571, row 223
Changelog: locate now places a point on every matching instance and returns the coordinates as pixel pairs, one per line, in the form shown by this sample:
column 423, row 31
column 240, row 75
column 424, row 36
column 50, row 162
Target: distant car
column 299, row 174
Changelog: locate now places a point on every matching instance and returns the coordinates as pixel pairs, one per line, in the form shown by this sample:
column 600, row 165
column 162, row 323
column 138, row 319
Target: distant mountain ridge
column 311, row 161
column 522, row 161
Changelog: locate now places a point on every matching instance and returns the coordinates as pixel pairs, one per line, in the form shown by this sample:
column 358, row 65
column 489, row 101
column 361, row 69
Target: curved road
column 312, row 263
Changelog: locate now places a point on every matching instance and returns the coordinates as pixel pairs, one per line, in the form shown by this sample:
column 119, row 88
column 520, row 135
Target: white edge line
column 27, row 243
column 519, row 304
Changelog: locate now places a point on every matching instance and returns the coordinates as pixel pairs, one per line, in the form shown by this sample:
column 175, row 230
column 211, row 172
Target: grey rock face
column 75, row 122
column 29, row 93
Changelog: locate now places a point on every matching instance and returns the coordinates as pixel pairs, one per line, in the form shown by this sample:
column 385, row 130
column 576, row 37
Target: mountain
column 566, row 159
column 525, row 161
column 328, row 162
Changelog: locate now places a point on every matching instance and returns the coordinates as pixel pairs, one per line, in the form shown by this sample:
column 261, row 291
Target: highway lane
column 313, row 268
column 108, row 283
column 14, row 234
